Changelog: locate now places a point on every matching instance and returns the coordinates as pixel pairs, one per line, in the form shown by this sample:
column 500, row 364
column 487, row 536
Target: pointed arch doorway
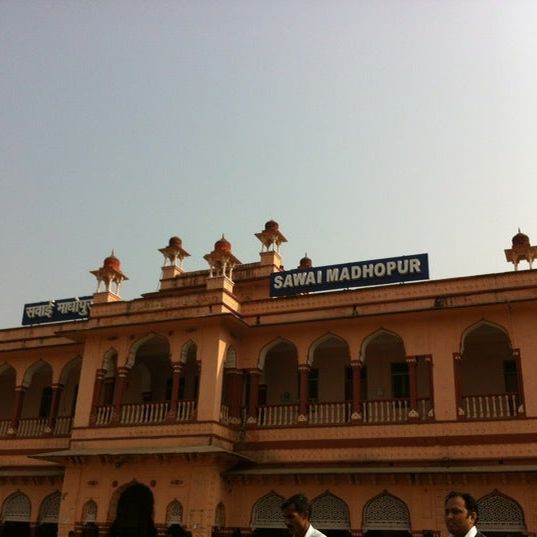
column 386, row 516
column 134, row 515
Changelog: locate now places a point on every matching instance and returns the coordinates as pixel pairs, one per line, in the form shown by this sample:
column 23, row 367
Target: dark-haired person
column 461, row 515
column 296, row 512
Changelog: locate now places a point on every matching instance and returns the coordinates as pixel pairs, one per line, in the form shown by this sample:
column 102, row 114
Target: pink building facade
column 199, row 408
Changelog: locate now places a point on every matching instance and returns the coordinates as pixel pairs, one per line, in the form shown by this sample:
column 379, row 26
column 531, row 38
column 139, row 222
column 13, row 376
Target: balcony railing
column 277, row 415
column 491, row 406
column 145, row 413
column 36, row 427
column 395, row 410
column 329, row 413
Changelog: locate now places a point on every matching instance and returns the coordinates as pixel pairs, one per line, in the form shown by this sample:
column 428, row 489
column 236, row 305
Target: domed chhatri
column 110, row 273
column 305, row 262
column 221, row 260
column 521, row 250
column 174, row 253
column 271, row 237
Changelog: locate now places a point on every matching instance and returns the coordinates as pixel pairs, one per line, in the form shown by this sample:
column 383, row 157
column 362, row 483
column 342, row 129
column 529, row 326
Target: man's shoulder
column 479, row 534
column 315, row 532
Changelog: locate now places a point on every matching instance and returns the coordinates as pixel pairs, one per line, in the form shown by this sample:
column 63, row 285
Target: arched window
column 174, row 513
column 17, row 508
column 330, row 512
column 50, row 509
column 220, row 516
column 89, row 513
column 500, row 513
column 386, row 512
column 267, row 513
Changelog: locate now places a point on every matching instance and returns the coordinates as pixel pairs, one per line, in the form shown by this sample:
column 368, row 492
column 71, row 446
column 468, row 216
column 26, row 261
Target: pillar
column 55, row 403
column 413, row 413
column 20, row 391
column 457, row 371
column 521, row 410
column 97, row 394
column 235, row 397
column 119, row 392
column 429, row 363
column 303, row 372
column 176, row 381
column 356, row 410
column 255, row 375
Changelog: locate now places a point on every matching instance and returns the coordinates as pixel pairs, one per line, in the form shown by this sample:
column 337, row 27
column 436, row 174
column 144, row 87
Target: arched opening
column 385, row 380
column 134, row 516
column 16, row 516
column 219, row 521
column 267, row 519
column 330, row 382
column 330, row 515
column 89, row 520
column 37, row 403
column 174, row 520
column 386, row 516
column 48, row 516
column 500, row 516
column 148, row 384
column 278, row 387
column 497, row 393
column 69, row 380
column 7, row 403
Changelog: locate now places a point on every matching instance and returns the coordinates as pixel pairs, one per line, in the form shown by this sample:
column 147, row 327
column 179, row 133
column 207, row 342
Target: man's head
column 460, row 513
column 296, row 512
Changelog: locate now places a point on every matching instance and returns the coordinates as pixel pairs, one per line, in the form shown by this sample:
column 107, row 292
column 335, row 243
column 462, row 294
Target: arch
column 135, row 347
column 483, row 324
column 50, row 508
column 110, row 361
column 174, row 513
column 187, row 349
column 32, row 370
column 132, row 509
column 231, row 358
column 112, row 507
column 325, row 339
column 498, row 512
column 380, row 332
column 6, row 367
column 8, row 382
column 386, row 512
column 220, row 516
column 266, row 512
column 271, row 346
column 17, row 508
column 330, row 512
column 69, row 368
column 89, row 512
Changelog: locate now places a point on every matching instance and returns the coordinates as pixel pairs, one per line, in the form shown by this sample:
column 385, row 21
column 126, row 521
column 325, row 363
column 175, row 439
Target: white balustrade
column 186, row 410
column 31, row 427
column 104, row 414
column 385, row 411
column 329, row 413
column 62, row 426
column 224, row 414
column 4, row 427
column 493, row 406
column 277, row 415
column 142, row 413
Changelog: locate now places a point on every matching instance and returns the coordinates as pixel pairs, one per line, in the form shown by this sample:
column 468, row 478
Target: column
column 303, row 372
column 457, row 371
column 119, row 392
column 235, row 399
column 413, row 413
column 429, row 363
column 33, row 529
column 96, row 399
column 255, row 375
column 176, row 380
column 20, row 391
column 521, row 410
column 356, row 411
column 54, row 405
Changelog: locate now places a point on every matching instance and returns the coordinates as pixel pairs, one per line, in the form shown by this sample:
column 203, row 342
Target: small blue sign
column 56, row 311
column 407, row 268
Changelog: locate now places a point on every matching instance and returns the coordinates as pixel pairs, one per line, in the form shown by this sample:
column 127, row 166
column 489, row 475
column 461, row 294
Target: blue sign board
column 407, row 268
column 55, row 311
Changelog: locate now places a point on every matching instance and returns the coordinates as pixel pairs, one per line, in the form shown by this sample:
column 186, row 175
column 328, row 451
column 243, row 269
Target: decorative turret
column 110, row 273
column 174, row 253
column 221, row 260
column 271, row 237
column 521, row 250
column 305, row 262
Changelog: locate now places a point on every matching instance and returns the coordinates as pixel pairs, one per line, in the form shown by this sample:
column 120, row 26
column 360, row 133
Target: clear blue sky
column 367, row 129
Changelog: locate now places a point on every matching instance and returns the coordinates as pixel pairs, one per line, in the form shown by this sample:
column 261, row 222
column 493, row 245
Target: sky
column 367, row 129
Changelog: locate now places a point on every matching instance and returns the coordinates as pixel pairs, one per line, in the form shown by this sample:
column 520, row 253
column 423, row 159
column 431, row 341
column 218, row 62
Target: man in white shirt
column 296, row 512
column 461, row 515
